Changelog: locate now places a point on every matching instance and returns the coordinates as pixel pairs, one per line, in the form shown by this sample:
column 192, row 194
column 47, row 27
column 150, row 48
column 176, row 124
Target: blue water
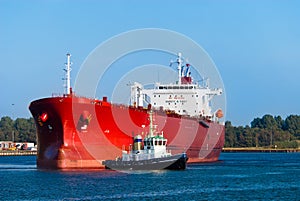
column 238, row 176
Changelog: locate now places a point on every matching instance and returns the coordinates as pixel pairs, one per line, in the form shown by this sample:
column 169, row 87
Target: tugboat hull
column 175, row 162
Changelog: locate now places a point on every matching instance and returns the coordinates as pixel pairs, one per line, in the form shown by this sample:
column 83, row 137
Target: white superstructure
column 184, row 97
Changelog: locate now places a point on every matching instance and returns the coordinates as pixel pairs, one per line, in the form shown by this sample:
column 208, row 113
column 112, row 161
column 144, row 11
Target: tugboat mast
column 151, row 123
column 68, row 74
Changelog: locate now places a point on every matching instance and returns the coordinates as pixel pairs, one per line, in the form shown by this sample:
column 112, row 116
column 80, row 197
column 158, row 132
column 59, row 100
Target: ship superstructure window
column 176, row 87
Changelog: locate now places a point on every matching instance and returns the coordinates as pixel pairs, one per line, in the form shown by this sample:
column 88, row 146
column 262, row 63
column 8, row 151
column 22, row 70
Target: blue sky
column 254, row 44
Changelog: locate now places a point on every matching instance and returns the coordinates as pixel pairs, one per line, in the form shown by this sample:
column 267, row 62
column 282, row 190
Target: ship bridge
column 183, row 97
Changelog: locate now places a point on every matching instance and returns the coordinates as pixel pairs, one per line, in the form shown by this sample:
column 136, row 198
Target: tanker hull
column 75, row 132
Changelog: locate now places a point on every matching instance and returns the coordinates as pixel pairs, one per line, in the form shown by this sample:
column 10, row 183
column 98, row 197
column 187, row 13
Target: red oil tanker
column 79, row 132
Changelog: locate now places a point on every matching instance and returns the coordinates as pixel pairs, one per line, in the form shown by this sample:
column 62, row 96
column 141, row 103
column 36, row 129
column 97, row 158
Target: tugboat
column 148, row 154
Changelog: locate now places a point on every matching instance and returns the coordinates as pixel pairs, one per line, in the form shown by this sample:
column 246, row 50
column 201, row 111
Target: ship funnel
column 137, row 143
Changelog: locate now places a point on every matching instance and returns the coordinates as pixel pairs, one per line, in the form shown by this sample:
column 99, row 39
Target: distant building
column 6, row 145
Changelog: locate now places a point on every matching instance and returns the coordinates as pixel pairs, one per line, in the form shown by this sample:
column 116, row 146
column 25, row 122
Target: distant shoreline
column 224, row 150
column 259, row 149
column 18, row 153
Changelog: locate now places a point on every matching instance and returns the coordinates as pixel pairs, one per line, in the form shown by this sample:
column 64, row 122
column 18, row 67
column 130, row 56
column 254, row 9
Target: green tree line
column 268, row 131
column 19, row 130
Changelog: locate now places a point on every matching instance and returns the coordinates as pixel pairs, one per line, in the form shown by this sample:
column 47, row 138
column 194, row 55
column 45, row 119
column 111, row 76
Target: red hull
column 76, row 132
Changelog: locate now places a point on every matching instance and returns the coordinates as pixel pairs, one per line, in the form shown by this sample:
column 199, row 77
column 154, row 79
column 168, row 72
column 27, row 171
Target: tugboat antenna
column 151, row 123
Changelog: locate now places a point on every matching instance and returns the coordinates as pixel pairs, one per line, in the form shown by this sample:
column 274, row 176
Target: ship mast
column 179, row 63
column 68, row 74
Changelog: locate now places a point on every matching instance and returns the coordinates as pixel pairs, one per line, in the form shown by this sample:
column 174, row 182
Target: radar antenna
column 179, row 62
